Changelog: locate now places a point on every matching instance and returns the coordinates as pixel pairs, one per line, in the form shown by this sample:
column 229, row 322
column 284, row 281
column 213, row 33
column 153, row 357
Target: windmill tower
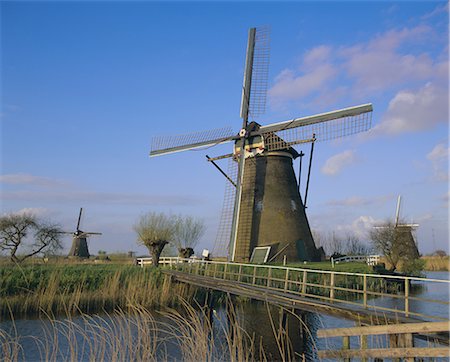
column 268, row 210
column 79, row 242
column 404, row 233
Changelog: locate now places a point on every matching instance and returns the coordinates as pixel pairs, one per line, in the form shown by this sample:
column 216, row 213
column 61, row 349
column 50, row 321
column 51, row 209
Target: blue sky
column 86, row 85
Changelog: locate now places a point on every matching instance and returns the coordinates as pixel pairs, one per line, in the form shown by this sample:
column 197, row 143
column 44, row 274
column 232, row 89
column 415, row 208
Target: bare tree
column 353, row 246
column 155, row 230
column 23, row 236
column 188, row 231
column 390, row 242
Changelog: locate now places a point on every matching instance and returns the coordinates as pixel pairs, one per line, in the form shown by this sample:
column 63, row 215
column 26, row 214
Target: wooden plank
column 426, row 327
column 386, row 353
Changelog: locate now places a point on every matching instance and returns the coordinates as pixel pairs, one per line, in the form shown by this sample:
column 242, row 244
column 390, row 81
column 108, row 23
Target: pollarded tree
column 155, row 230
column 23, row 236
column 391, row 241
column 188, row 231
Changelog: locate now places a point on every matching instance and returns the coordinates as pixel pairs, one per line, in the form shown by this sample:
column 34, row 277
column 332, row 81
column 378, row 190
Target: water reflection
column 258, row 320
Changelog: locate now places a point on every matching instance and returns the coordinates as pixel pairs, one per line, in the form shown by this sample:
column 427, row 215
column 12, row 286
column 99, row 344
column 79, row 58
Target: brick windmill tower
column 268, row 213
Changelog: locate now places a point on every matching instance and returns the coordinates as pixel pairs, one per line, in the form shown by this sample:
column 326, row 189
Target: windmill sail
column 267, row 208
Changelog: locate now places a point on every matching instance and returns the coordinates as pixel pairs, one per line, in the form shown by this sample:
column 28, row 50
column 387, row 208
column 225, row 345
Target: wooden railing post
column 304, row 281
column 346, row 345
column 286, row 279
column 225, row 272
column 240, row 272
column 364, row 346
column 269, row 275
column 365, row 291
column 406, row 297
column 254, row 275
column 215, row 270
column 332, row 286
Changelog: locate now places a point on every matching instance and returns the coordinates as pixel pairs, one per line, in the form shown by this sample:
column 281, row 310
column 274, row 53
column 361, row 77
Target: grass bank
column 56, row 289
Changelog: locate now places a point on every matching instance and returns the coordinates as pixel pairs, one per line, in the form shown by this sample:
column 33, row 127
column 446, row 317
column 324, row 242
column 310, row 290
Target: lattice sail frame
column 323, row 131
column 260, row 72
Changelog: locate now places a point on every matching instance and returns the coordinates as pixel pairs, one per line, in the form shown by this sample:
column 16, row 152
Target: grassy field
column 58, row 288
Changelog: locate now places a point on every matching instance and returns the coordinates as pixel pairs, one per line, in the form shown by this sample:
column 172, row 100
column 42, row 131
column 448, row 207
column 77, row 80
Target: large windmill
column 79, row 242
column 268, row 210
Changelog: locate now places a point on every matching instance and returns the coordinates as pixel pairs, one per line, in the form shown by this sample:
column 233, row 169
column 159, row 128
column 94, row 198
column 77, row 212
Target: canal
column 161, row 336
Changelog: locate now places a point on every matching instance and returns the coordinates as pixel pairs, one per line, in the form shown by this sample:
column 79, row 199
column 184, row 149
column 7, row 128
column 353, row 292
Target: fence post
column 240, row 272
column 332, row 286
column 215, row 270
column 365, row 291
column 304, row 281
column 254, row 275
column 346, row 345
column 225, row 271
column 286, row 280
column 269, row 275
column 364, row 346
column 406, row 297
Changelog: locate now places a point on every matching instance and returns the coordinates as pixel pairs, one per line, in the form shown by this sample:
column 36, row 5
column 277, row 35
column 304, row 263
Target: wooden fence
column 378, row 293
column 400, row 337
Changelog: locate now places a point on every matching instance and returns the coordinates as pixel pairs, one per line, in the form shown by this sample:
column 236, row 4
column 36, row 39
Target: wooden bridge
column 355, row 296
column 369, row 299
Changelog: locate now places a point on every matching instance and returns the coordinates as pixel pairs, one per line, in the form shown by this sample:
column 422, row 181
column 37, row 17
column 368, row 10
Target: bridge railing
column 381, row 293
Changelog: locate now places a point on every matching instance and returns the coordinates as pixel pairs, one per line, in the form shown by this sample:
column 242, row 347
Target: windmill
column 79, row 242
column 404, row 233
column 268, row 211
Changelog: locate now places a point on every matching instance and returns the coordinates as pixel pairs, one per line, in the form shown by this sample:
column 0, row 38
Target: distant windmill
column 268, row 210
column 79, row 242
column 404, row 233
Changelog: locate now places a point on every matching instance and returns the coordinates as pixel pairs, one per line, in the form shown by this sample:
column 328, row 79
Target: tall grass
column 437, row 263
column 86, row 288
column 186, row 334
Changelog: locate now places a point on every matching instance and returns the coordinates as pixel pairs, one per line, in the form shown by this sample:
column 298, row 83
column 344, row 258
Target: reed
column 437, row 263
column 135, row 335
column 60, row 289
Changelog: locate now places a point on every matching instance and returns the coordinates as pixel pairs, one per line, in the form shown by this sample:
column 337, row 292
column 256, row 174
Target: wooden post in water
column 346, row 345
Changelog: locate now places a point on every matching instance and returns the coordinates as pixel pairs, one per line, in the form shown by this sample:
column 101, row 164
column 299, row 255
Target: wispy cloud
column 362, row 201
column 336, row 163
column 32, row 180
column 438, row 157
column 101, row 197
column 383, row 63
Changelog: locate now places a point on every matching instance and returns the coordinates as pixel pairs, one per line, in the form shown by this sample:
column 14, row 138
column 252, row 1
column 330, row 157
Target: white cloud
column 27, row 179
column 337, row 162
column 359, row 227
column 375, row 66
column 438, row 157
column 411, row 111
column 289, row 86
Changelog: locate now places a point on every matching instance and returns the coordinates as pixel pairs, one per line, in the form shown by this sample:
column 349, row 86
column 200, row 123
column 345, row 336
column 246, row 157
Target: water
column 39, row 336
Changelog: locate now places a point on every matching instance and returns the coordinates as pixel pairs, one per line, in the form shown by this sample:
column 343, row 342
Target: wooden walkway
column 368, row 299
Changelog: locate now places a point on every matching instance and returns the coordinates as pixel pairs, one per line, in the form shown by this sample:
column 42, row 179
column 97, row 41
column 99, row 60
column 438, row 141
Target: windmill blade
column 79, row 219
column 91, row 233
column 325, row 126
column 163, row 145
